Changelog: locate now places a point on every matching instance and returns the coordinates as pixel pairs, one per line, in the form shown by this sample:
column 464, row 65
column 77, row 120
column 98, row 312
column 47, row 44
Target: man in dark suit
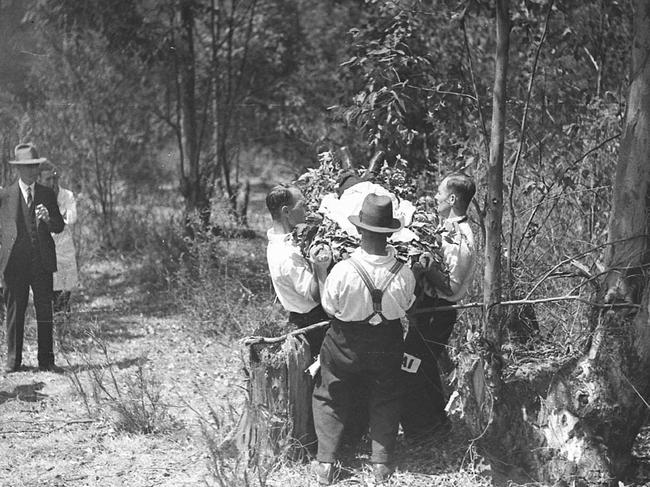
column 28, row 213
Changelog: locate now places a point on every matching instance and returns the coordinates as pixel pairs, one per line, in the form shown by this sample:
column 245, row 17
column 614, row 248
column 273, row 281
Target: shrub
column 133, row 403
column 222, row 283
column 236, row 460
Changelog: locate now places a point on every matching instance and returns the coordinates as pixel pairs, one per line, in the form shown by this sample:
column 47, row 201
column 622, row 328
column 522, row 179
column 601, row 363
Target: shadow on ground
column 119, row 364
column 24, row 392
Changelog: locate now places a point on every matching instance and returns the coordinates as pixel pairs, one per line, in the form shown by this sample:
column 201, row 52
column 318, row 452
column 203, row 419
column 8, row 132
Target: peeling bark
column 576, row 422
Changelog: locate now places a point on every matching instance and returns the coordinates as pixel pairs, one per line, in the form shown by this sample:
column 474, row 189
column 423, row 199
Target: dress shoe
column 51, row 368
column 324, row 472
column 381, row 472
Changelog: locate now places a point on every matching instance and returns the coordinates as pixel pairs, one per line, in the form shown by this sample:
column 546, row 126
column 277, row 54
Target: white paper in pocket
column 410, row 363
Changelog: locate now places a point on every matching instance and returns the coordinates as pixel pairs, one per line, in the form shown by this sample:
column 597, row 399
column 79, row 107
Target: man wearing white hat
column 28, row 213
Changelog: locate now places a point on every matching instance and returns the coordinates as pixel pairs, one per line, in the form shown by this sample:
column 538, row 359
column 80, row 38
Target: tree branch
column 582, row 254
column 522, row 138
column 254, row 340
column 486, row 138
column 571, row 166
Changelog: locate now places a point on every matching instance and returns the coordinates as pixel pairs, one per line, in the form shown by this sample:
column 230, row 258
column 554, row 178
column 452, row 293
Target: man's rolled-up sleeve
column 331, row 294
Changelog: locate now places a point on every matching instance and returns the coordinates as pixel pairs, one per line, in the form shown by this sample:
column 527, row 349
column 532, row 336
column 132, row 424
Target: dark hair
column 278, row 197
column 463, row 187
column 347, row 179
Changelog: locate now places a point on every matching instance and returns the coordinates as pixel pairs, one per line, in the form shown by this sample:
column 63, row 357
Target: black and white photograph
column 298, row 243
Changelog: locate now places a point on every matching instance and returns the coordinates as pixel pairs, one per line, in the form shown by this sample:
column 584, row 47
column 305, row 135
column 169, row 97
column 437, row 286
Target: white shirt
column 23, row 189
column 347, row 298
column 290, row 272
column 66, row 277
column 459, row 257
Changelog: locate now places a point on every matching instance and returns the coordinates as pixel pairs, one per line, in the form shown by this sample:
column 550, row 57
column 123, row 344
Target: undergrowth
column 244, row 447
column 223, row 284
column 132, row 403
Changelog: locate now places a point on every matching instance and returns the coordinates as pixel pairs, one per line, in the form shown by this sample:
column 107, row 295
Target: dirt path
column 49, row 438
column 53, row 433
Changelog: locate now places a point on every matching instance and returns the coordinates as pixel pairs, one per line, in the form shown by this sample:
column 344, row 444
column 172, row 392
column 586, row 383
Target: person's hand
column 425, row 260
column 42, row 213
column 320, row 255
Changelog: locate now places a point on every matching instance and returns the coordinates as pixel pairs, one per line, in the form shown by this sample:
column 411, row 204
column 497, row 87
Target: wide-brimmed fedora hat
column 26, row 154
column 376, row 215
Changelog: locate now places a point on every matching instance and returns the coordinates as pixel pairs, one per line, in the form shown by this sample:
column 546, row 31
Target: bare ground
column 53, row 433
column 49, row 438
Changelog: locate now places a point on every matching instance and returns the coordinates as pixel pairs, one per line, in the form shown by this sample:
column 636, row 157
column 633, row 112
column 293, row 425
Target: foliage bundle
column 325, row 179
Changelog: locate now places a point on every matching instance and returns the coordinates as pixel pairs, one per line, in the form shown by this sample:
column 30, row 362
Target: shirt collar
column 275, row 237
column 24, row 186
column 376, row 259
column 457, row 219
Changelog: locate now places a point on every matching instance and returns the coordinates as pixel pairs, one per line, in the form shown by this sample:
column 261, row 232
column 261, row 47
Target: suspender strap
column 376, row 293
column 393, row 271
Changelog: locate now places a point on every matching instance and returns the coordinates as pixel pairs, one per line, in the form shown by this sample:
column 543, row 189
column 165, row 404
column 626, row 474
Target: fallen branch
column 252, row 340
column 65, row 423
column 54, row 420
column 525, row 301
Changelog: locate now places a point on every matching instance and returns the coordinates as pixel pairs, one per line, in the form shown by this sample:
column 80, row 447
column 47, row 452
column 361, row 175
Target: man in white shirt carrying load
column 424, row 401
column 295, row 279
column 367, row 295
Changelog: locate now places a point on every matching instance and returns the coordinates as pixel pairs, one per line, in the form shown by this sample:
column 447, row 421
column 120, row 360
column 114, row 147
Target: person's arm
column 300, row 275
column 440, row 281
column 409, row 278
column 320, row 257
column 330, row 296
column 427, row 268
column 460, row 262
column 70, row 217
column 49, row 213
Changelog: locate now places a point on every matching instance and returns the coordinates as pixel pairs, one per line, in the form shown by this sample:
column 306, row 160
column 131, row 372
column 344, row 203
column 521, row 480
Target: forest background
column 171, row 118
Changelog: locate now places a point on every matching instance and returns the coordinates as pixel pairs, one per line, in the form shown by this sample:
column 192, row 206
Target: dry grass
column 174, row 349
column 132, row 402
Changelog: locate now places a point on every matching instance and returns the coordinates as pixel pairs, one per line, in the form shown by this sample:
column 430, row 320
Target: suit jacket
column 9, row 204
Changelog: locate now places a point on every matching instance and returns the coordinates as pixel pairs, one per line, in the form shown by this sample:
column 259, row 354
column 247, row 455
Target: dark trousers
column 357, row 355
column 16, row 296
column 314, row 337
column 315, row 340
column 424, row 399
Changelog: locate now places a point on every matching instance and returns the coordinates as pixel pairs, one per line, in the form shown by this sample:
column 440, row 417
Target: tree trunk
column 479, row 369
column 575, row 422
column 277, row 419
column 494, row 204
column 602, row 396
column 189, row 135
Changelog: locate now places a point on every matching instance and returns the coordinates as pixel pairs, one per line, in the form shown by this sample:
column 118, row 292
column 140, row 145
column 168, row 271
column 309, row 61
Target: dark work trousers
column 16, row 296
column 424, row 400
column 357, row 355
column 315, row 340
column 314, row 337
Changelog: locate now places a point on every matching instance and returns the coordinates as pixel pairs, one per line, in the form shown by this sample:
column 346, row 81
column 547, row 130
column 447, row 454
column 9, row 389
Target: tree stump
column 278, row 420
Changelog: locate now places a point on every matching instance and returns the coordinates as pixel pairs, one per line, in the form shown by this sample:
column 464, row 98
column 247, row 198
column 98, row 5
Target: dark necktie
column 30, row 200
